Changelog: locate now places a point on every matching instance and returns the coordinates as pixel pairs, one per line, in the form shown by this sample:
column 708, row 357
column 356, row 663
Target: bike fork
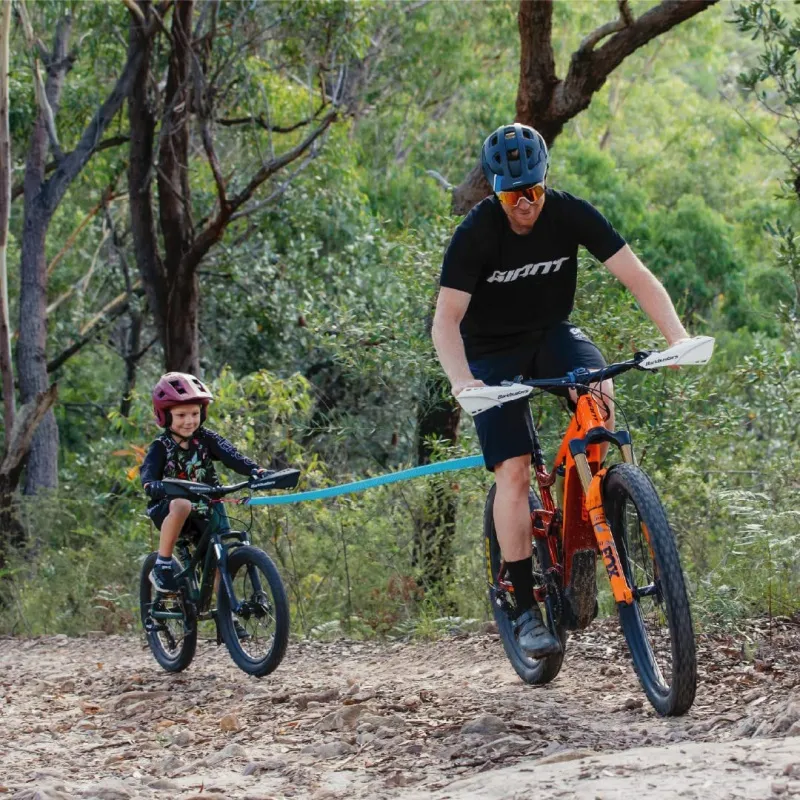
column 222, row 566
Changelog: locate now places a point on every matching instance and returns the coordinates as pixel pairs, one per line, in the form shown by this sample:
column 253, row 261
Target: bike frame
column 581, row 525
column 212, row 549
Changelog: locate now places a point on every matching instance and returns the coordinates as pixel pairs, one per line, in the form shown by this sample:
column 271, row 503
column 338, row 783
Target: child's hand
column 258, row 472
column 155, row 490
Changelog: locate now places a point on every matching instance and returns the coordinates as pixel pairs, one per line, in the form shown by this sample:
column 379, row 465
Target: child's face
column 186, row 418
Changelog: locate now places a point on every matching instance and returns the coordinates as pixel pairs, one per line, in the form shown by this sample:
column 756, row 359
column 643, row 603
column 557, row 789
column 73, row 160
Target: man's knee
column 513, row 475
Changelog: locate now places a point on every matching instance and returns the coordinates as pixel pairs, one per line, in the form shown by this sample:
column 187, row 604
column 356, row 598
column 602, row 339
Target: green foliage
column 315, row 309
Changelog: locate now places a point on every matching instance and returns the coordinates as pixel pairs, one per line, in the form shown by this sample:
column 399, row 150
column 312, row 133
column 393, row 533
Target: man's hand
column 155, row 490
column 678, row 341
column 459, row 386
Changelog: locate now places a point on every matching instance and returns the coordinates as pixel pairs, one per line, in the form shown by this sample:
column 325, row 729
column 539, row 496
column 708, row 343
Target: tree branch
column 108, row 313
column 38, row 84
column 262, row 123
column 203, row 102
column 112, row 141
column 25, row 425
column 69, row 167
column 212, row 232
column 589, row 68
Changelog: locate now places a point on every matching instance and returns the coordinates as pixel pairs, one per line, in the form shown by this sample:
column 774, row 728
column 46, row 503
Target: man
column 507, row 290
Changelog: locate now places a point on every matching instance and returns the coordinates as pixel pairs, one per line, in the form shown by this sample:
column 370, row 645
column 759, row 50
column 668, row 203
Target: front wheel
column 658, row 624
column 259, row 644
column 169, row 623
column 536, row 671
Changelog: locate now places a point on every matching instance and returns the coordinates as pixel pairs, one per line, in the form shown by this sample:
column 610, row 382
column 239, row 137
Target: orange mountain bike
column 613, row 512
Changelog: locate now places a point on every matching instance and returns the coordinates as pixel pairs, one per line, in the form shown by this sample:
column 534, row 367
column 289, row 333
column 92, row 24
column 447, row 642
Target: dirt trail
column 97, row 718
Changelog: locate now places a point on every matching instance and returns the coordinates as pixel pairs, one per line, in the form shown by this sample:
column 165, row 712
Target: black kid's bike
column 252, row 611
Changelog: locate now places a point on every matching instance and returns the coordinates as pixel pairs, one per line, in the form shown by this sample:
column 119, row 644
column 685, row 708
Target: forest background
column 262, row 192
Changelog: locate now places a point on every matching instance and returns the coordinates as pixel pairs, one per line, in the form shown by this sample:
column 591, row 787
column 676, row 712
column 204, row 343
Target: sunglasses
column 531, row 193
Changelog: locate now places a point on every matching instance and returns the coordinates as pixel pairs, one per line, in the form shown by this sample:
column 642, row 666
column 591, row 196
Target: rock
column 565, row 755
column 229, row 752
column 779, row 788
column 786, row 720
column 485, row 725
column 302, row 700
column 41, row 793
column 166, row 785
column 746, row 727
column 230, row 723
column 345, row 718
column 794, row 730
column 183, row 738
column 109, row 789
column 505, row 745
column 412, row 702
column 47, row 773
column 267, row 765
column 632, row 703
column 168, row 765
column 372, row 722
column 135, row 697
column 329, row 749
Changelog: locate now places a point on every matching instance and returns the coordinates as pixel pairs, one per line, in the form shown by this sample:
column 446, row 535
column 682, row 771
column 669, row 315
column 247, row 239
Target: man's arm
column 451, row 305
column 648, row 291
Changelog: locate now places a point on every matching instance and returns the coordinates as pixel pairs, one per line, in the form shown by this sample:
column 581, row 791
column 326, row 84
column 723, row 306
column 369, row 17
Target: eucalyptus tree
column 44, row 188
column 546, row 101
column 249, row 95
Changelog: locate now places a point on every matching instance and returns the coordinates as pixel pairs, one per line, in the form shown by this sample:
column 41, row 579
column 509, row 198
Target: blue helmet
column 514, row 156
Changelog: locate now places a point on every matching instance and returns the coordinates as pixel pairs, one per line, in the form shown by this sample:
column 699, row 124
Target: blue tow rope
column 358, row 486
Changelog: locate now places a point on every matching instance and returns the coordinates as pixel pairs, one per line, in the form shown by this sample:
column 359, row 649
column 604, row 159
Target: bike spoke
column 257, row 615
column 643, row 576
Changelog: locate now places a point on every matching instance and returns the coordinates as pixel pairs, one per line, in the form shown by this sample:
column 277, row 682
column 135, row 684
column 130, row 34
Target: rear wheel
column 535, row 671
column 658, row 624
column 173, row 638
column 263, row 616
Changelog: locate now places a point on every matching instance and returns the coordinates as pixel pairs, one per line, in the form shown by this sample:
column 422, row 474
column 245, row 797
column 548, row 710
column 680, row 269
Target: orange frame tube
column 591, row 528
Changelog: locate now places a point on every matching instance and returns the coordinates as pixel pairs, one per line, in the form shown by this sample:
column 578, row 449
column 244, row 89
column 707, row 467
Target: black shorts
column 507, row 431
column 194, row 526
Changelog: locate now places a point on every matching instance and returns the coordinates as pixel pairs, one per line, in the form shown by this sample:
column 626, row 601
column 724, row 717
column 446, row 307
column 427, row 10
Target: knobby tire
column 251, row 558
column 180, row 656
column 657, row 565
column 535, row 671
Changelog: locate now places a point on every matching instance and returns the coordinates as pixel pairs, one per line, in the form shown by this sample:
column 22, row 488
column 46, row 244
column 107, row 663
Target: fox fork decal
column 605, row 541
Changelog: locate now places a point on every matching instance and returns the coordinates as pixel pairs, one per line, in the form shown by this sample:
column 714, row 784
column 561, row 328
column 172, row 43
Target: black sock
column 521, row 574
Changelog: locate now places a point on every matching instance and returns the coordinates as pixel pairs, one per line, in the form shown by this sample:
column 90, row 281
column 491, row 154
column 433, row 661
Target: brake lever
column 282, row 479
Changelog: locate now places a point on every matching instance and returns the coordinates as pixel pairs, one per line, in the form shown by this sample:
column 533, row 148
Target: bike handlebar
column 275, row 479
column 583, row 376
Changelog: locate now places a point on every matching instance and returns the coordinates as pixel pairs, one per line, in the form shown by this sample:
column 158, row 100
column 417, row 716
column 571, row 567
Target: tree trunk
column 18, row 440
column 42, row 468
column 181, row 348
column 6, row 367
column 142, row 123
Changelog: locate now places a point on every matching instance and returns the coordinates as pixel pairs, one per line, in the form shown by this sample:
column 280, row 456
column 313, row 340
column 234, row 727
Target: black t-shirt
column 521, row 285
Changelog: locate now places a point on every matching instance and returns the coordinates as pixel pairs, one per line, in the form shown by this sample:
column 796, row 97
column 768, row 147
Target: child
column 185, row 450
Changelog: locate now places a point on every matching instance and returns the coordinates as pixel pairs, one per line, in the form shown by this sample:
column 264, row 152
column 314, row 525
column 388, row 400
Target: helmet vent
column 178, row 386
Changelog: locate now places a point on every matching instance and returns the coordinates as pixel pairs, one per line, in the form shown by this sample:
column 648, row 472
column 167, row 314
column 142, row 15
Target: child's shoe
column 163, row 578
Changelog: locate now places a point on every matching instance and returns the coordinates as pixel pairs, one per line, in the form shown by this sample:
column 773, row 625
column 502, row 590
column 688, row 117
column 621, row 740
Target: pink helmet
column 177, row 389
